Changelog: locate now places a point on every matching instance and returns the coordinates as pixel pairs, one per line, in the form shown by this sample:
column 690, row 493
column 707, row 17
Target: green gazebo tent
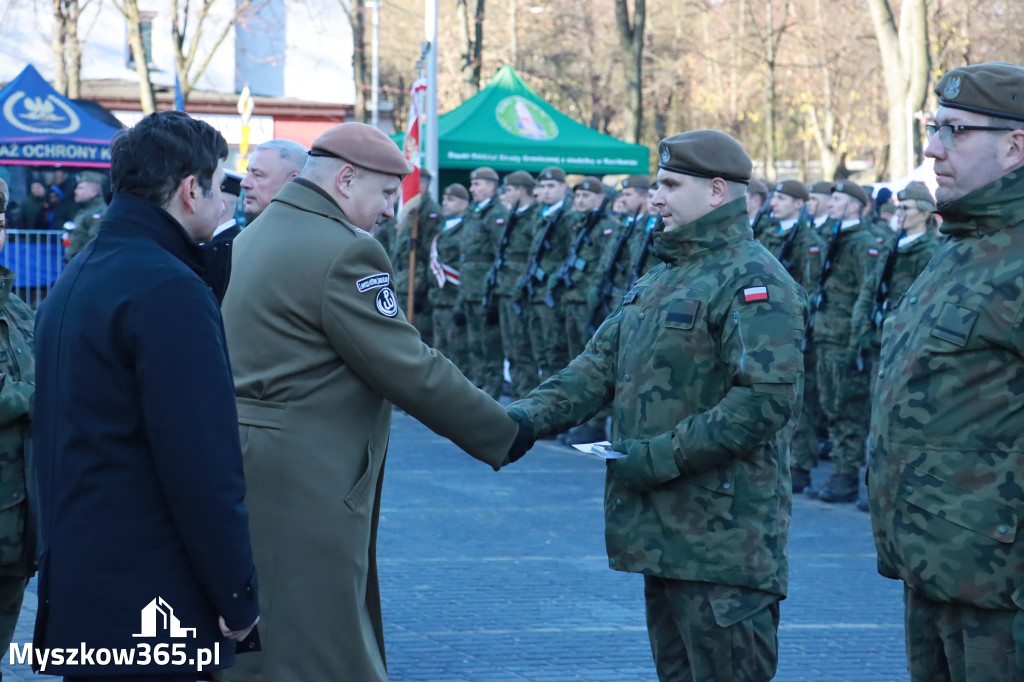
column 508, row 127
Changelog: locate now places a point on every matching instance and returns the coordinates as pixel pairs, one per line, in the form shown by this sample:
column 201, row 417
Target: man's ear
column 343, row 180
column 189, row 191
column 1014, row 156
column 719, row 192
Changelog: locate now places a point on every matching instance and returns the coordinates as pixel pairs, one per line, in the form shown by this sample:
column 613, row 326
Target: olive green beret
column 362, row 145
column 705, row 154
column 756, row 186
column 92, row 176
column 992, row 89
column 552, row 173
column 821, row 187
column 852, row 189
column 589, row 184
column 638, row 182
column 457, row 190
column 425, row 174
column 916, row 191
column 484, row 173
column 793, row 189
column 520, row 179
column 4, row 195
column 887, row 208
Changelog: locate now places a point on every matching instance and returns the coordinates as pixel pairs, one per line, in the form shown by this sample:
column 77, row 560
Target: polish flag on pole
column 412, row 148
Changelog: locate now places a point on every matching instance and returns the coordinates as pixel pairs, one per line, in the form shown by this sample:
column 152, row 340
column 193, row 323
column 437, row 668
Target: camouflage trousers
column 486, row 358
column 547, row 337
column 949, row 642
column 12, row 590
column 844, row 392
column 522, row 368
column 700, row 631
column 805, row 448
column 450, row 339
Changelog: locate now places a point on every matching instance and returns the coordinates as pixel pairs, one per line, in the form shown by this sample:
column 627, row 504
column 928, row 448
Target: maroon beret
column 362, row 145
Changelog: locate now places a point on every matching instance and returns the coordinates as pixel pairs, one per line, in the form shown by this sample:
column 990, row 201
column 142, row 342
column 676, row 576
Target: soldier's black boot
column 840, row 488
column 801, row 479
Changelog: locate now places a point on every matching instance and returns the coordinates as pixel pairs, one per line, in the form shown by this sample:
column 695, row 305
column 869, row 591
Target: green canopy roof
column 507, row 126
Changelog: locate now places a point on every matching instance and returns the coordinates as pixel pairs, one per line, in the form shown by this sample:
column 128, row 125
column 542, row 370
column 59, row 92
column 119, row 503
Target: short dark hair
column 150, row 159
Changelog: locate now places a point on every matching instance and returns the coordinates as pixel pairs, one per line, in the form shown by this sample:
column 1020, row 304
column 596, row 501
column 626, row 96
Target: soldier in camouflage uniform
column 544, row 324
column 702, row 366
column 445, row 250
column 577, row 277
column 757, row 198
column 819, row 195
column 618, row 262
column 427, row 214
column 17, row 391
column 481, row 232
column 518, row 195
column 91, row 207
column 385, row 234
column 793, row 241
column 843, row 384
column 947, row 461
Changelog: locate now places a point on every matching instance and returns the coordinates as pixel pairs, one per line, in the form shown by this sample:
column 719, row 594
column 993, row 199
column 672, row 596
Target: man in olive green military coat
column 319, row 355
column 702, row 366
column 91, row 207
column 947, row 458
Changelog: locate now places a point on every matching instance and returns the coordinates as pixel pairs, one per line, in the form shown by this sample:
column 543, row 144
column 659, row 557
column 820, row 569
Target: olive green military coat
column 320, row 350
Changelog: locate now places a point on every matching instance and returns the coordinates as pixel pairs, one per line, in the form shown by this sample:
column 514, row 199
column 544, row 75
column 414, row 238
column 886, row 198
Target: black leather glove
column 459, row 318
column 524, row 439
column 491, row 315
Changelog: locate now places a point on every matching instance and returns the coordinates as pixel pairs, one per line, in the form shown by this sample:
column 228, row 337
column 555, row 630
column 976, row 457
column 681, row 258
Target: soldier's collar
column 997, row 205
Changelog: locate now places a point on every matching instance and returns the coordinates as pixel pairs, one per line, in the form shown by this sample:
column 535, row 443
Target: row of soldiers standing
column 520, row 269
column 854, row 266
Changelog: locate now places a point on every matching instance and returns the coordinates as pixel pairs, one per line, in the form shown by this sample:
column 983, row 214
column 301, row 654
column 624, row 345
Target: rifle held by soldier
column 499, row 259
column 563, row 276
column 524, row 287
column 607, row 282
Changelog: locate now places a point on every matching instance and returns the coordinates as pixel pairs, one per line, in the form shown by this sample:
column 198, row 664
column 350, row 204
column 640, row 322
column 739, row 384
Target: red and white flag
column 411, row 147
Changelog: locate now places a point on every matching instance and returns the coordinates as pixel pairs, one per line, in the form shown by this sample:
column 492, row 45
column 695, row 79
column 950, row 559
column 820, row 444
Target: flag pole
column 430, row 146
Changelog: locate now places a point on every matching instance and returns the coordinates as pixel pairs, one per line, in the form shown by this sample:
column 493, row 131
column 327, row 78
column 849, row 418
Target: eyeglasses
column 948, row 134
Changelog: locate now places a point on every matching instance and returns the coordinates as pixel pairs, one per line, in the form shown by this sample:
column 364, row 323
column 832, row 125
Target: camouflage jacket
column 385, row 234
column 585, row 272
column 517, row 253
column 17, row 365
column 481, row 232
column 946, row 482
column 854, row 263
column 87, row 224
column 803, row 255
column 911, row 260
column 448, row 243
column 702, row 359
column 557, row 246
column 620, row 266
column 428, row 224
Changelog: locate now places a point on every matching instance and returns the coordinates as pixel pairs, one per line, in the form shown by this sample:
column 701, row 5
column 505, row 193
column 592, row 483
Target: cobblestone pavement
column 503, row 576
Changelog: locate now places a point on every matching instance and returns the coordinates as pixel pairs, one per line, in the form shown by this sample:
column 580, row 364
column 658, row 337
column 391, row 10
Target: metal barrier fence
column 36, row 257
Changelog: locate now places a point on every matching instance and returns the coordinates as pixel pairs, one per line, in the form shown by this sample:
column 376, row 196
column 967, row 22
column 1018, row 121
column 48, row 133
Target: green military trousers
column 701, row 631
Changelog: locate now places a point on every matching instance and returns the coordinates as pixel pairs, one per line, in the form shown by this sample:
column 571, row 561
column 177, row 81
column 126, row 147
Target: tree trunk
column 631, row 42
column 905, row 63
column 58, row 43
column 147, row 98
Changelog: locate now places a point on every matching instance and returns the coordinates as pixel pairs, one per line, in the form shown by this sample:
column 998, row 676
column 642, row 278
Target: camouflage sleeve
column 579, row 391
column 761, row 343
column 860, row 322
column 15, row 401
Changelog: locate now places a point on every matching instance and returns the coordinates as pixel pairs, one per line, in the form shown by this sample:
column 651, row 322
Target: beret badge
column 952, row 88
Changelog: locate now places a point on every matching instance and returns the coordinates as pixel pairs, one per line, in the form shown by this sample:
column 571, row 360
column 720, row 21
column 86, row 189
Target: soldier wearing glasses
column 947, row 462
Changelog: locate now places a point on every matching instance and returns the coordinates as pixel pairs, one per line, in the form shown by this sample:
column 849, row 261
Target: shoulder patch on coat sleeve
column 873, row 253
column 387, row 304
column 381, row 279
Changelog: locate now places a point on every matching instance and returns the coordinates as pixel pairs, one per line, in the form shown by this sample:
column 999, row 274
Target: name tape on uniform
column 381, row 279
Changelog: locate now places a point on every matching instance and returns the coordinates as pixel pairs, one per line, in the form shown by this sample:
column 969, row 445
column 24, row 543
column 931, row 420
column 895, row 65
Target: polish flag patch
column 873, row 253
column 815, row 249
column 754, row 294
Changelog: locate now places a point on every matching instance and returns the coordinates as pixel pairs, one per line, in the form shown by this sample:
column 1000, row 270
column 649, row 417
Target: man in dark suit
column 144, row 534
